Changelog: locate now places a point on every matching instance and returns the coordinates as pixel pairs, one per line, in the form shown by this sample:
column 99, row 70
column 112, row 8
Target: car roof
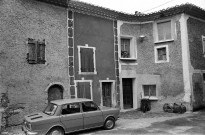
column 69, row 100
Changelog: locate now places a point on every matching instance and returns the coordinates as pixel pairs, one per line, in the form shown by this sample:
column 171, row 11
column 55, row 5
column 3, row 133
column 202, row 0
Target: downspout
column 187, row 74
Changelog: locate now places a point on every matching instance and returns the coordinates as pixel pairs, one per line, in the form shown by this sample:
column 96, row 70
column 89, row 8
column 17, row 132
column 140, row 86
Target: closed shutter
column 83, row 90
column 87, row 61
column 32, row 51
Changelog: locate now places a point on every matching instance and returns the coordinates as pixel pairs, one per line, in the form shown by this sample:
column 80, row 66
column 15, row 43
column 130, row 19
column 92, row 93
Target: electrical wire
column 158, row 6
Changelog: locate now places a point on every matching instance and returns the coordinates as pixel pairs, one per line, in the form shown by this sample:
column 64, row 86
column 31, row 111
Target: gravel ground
column 132, row 117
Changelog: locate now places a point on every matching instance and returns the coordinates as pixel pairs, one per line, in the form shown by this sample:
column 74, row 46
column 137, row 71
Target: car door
column 71, row 117
column 92, row 115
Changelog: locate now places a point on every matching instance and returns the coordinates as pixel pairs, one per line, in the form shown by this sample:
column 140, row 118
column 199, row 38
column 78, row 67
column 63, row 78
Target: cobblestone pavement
column 127, row 119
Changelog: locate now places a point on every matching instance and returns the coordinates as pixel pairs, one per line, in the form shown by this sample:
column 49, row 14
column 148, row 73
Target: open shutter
column 32, row 51
column 41, row 52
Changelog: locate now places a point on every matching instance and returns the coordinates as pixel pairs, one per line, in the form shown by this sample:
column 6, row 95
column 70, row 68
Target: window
column 203, row 44
column 87, row 63
column 36, row 51
column 89, row 106
column 204, row 77
column 83, row 89
column 161, row 54
column 127, row 48
column 164, row 31
column 71, row 108
column 149, row 90
column 50, row 109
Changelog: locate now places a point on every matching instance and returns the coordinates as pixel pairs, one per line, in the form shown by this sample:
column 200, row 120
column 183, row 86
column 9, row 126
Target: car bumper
column 27, row 132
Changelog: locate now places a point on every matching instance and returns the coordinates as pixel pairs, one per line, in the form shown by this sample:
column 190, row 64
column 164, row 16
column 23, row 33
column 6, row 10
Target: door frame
column 112, row 92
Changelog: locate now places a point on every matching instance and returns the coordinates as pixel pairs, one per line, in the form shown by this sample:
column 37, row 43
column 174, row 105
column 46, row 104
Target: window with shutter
column 83, row 90
column 36, row 51
column 87, row 60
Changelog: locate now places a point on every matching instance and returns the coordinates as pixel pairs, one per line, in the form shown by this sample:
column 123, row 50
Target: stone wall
column 26, row 83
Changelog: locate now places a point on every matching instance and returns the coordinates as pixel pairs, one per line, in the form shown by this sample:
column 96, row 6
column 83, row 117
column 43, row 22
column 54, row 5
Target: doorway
column 55, row 92
column 127, row 85
column 107, row 94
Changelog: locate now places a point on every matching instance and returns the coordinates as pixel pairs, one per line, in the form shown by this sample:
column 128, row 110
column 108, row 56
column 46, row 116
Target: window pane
column 162, row 54
column 71, row 108
column 146, row 90
column 152, row 90
column 89, row 106
column 125, row 48
column 164, row 30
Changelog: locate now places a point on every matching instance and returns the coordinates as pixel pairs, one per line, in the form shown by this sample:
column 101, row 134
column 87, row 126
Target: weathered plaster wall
column 96, row 32
column 171, row 73
column 26, row 83
column 196, row 28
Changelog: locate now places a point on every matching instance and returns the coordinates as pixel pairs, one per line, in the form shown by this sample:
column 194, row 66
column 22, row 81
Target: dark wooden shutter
column 83, row 90
column 87, row 61
column 41, row 52
column 32, row 51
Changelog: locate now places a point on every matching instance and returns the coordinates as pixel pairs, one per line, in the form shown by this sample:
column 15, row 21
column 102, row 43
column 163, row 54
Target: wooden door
column 107, row 93
column 54, row 93
column 127, row 93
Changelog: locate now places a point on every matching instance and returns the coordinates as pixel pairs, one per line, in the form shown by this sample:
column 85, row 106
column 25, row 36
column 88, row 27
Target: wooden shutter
column 83, row 90
column 87, row 61
column 41, row 52
column 32, row 51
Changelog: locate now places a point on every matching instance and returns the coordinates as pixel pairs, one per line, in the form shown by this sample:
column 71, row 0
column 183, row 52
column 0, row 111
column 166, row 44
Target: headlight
column 28, row 125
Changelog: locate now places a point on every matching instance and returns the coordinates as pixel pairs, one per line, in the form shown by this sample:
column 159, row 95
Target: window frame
column 36, row 51
column 79, row 60
column 203, row 44
column 91, row 90
column 133, row 48
column 150, row 97
column 156, row 36
column 156, row 54
column 71, row 104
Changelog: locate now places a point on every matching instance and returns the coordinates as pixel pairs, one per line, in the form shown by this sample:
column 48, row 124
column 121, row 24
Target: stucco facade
column 24, row 82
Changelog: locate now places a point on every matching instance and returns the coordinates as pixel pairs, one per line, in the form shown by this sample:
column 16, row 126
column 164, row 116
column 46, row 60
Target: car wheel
column 56, row 131
column 109, row 123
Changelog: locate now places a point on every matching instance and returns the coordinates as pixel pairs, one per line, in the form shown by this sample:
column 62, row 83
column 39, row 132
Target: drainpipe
column 187, row 72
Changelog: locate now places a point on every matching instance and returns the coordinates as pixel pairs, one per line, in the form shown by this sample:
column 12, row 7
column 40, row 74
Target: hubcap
column 109, row 124
column 56, row 132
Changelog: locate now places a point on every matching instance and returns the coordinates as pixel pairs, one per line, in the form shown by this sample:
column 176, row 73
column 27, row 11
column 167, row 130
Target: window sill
column 128, row 59
column 161, row 61
column 163, row 41
column 87, row 73
column 150, row 98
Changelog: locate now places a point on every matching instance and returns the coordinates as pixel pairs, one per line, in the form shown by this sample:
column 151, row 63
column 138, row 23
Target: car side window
column 89, row 106
column 70, row 108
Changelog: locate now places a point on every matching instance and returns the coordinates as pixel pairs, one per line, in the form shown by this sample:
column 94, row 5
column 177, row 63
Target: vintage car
column 69, row 115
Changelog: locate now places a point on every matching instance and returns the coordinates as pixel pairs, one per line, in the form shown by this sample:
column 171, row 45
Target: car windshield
column 50, row 109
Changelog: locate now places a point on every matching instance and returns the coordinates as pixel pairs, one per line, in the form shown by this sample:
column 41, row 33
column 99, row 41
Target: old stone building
column 53, row 49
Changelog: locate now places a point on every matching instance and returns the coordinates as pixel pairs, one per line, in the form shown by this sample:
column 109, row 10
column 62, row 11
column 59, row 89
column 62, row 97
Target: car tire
column 109, row 123
column 56, row 131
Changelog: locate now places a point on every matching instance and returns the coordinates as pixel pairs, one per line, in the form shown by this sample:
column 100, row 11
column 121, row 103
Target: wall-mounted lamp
column 141, row 37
